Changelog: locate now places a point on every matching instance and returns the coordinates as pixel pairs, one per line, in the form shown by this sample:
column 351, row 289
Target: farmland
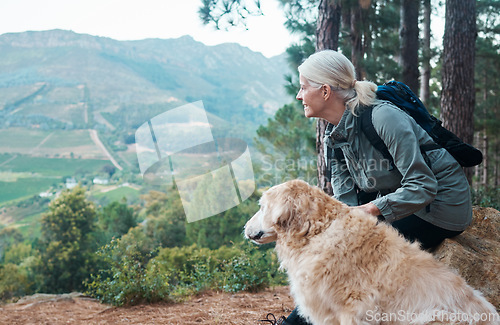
column 49, row 143
column 35, row 161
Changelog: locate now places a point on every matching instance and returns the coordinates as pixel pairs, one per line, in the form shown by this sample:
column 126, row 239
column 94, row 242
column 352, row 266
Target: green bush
column 128, row 280
column 245, row 273
column 171, row 274
column 14, row 282
column 486, row 197
column 242, row 267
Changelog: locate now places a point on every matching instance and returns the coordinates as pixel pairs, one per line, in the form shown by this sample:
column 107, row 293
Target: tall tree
column 409, row 43
column 458, row 94
column 356, row 23
column 67, row 242
column 115, row 219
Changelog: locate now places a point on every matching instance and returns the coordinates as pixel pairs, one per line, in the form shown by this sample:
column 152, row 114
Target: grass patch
column 5, row 157
column 65, row 139
column 53, row 166
column 24, row 188
column 21, row 139
column 49, row 143
column 131, row 194
column 12, row 176
column 30, row 227
column 25, row 215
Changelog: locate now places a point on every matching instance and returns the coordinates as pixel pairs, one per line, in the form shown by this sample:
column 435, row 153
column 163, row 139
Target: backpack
column 400, row 95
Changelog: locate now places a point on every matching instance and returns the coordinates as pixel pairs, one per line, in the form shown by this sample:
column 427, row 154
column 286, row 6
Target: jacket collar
column 338, row 132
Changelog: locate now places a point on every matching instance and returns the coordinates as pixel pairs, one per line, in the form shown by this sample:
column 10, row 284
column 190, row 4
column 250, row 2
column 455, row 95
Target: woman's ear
column 326, row 91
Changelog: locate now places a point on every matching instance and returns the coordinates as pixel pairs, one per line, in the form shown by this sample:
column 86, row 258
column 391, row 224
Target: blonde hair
column 334, row 69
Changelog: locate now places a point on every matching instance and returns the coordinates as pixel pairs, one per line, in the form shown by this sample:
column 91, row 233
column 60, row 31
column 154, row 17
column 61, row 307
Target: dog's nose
column 258, row 236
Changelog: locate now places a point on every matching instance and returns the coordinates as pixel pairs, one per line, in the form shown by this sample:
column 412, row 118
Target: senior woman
column 426, row 199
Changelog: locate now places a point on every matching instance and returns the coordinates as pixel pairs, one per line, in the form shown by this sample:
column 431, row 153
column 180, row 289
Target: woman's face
column 322, row 102
column 312, row 98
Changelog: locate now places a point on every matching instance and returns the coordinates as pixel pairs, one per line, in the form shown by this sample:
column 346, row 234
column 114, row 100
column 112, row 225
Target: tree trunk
column 457, row 97
column 426, row 53
column 409, row 43
column 327, row 37
column 356, row 41
column 328, row 25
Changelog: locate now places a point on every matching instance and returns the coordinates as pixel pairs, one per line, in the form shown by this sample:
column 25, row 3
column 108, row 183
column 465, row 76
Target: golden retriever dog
column 345, row 267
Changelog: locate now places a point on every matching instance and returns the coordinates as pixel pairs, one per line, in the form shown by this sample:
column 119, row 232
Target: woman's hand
column 369, row 208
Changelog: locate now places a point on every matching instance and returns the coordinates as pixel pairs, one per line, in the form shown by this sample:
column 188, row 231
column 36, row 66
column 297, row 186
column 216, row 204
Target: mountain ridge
column 122, row 83
column 8, row 38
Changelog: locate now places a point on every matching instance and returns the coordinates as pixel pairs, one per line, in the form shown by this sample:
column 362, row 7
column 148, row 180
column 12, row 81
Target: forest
column 124, row 253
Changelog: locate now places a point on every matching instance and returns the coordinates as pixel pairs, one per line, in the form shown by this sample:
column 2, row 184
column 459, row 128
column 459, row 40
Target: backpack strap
column 366, row 125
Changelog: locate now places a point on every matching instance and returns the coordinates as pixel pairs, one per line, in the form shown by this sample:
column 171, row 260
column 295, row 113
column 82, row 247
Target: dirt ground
column 208, row 308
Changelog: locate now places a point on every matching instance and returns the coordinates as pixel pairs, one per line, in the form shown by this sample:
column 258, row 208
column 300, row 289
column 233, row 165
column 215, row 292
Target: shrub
column 171, row 274
column 14, row 282
column 486, row 197
column 128, row 280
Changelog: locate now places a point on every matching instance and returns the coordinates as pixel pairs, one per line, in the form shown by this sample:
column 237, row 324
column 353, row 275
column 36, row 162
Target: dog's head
column 293, row 208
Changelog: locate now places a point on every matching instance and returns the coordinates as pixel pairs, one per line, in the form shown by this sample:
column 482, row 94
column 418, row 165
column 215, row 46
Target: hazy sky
column 140, row 19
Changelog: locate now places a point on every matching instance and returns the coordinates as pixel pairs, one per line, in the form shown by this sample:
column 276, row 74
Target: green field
column 51, row 166
column 33, row 161
column 25, row 187
column 64, row 139
column 30, row 226
column 21, row 139
column 25, row 218
column 131, row 194
column 49, row 143
column 23, row 176
column 5, row 157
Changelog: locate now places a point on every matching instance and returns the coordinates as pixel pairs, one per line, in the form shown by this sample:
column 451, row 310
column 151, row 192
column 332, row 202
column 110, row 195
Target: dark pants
column 413, row 229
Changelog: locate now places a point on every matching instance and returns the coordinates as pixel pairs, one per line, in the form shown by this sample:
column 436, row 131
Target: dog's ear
column 290, row 204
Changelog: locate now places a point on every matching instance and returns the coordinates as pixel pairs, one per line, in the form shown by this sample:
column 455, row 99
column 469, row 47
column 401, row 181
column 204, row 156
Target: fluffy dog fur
column 344, row 267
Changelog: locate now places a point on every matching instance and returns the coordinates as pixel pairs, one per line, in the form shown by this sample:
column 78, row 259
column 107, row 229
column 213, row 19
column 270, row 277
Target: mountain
column 60, row 79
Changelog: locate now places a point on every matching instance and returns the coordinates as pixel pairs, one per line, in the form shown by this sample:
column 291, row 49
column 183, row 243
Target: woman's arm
column 418, row 184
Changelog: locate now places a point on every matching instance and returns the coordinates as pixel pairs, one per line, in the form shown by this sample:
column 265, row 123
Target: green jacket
column 439, row 194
